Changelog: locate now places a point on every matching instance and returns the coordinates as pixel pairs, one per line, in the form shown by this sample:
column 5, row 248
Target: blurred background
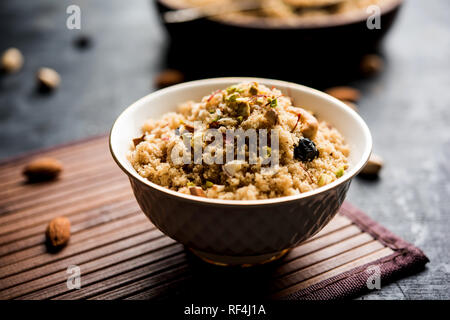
column 123, row 48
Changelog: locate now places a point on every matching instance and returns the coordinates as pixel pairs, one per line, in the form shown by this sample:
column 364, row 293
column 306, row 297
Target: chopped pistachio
column 240, row 119
column 208, row 184
column 190, row 184
column 231, row 89
column 269, row 151
column 273, row 102
column 232, row 97
column 340, row 172
column 216, row 119
column 322, row 180
column 234, row 88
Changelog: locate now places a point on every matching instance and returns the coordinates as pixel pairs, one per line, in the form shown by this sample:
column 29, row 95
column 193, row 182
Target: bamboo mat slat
column 121, row 255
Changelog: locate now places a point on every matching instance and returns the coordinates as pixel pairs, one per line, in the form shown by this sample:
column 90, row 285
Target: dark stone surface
column 407, row 107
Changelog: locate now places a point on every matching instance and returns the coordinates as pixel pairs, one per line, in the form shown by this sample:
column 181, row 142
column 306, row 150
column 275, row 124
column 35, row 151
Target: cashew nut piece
column 309, row 124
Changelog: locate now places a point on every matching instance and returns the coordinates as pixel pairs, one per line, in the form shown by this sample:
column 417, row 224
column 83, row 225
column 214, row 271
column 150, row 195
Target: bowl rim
column 238, row 203
column 333, row 21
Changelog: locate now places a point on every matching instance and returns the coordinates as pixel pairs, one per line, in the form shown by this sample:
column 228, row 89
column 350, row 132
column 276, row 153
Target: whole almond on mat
column 344, row 93
column 42, row 169
column 48, row 78
column 58, row 231
column 168, row 78
column 373, row 166
column 12, row 60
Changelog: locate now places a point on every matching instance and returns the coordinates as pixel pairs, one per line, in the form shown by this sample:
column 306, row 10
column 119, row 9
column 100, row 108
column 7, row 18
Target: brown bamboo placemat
column 121, row 255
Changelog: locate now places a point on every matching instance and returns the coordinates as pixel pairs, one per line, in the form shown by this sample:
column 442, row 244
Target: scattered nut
column 58, row 231
column 197, row 191
column 168, row 78
column 272, row 117
column 48, row 78
column 351, row 105
column 373, row 166
column 42, row 169
column 136, row 141
column 371, row 64
column 344, row 93
column 12, row 60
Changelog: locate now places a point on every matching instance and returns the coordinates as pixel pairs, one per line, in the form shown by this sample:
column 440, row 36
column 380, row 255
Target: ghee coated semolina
column 310, row 153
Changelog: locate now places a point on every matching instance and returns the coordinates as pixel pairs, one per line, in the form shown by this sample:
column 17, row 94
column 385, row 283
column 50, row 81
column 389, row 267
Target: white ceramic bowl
column 231, row 232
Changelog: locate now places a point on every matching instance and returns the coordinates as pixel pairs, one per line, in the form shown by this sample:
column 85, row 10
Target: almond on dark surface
column 371, row 64
column 11, row 60
column 58, row 232
column 48, row 79
column 42, row 169
column 344, row 93
column 168, row 78
column 373, row 166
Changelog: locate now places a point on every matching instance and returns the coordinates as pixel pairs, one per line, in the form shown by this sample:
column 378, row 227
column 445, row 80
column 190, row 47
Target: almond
column 42, row 169
column 373, row 166
column 58, row 232
column 197, row 191
column 272, row 117
column 168, row 78
column 344, row 93
column 48, row 78
column 371, row 64
column 138, row 140
column 12, row 60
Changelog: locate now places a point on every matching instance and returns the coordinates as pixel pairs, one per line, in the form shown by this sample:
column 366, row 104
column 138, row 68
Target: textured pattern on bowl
column 239, row 230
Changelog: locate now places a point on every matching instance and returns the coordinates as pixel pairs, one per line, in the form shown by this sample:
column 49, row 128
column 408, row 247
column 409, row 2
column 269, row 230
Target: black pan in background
column 313, row 55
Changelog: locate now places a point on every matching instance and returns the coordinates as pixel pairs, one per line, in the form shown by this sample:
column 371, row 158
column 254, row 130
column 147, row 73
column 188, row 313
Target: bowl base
column 238, row 261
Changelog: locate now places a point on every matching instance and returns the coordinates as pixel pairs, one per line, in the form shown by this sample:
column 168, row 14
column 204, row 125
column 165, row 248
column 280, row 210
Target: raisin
column 305, row 150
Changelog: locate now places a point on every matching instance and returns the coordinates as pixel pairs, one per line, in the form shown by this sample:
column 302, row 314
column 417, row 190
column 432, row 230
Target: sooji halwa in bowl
column 311, row 153
column 241, row 232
